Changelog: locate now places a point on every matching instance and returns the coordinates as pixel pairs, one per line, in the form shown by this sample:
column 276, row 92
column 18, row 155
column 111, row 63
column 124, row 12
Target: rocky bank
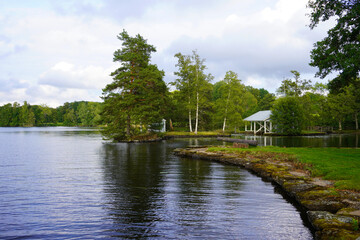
column 333, row 214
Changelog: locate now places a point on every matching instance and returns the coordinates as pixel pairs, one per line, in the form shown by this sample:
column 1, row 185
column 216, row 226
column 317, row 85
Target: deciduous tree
column 229, row 103
column 339, row 51
column 287, row 116
column 194, row 84
column 294, row 87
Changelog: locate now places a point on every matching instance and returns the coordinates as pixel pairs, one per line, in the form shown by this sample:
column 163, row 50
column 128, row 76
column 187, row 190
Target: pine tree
column 137, row 95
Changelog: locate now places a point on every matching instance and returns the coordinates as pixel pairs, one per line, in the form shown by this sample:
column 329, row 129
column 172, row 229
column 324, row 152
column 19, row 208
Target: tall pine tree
column 137, row 95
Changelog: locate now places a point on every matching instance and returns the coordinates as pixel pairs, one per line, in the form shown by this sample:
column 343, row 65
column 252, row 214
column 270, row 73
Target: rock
column 351, row 212
column 335, row 234
column 316, row 194
column 323, row 204
column 295, row 187
column 322, row 220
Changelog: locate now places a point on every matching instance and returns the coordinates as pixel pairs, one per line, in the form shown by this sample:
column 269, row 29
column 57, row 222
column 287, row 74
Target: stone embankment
column 333, row 214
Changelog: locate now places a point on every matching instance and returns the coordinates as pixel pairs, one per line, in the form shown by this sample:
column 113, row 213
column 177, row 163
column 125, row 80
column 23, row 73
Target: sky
column 52, row 52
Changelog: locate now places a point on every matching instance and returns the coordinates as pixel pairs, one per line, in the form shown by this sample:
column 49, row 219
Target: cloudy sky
column 53, row 52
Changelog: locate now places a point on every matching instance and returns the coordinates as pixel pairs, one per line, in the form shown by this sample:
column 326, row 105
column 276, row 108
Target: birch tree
column 229, row 104
column 201, row 85
column 194, row 84
column 185, row 83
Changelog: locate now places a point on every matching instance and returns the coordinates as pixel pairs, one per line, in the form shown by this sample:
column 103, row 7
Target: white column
column 254, row 127
column 245, row 127
column 265, row 126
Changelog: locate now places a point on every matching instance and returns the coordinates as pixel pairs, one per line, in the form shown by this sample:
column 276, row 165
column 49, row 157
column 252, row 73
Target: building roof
column 259, row 116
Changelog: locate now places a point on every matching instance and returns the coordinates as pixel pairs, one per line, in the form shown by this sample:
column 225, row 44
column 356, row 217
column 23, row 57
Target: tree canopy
column 230, row 100
column 194, row 85
column 294, row 87
column 339, row 51
column 287, row 116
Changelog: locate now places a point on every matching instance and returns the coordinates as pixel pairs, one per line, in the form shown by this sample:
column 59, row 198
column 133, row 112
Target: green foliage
column 137, row 96
column 89, row 113
column 229, row 102
column 355, row 224
column 257, row 100
column 287, row 116
column 266, row 102
column 6, row 113
column 339, row 51
column 340, row 105
column 195, row 88
column 28, row 115
column 294, row 87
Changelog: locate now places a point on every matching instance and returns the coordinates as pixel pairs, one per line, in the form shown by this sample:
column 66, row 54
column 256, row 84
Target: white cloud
column 63, row 50
column 66, row 75
column 54, row 96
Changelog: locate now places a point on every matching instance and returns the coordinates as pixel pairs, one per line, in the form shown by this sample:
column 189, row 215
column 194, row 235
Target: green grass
column 310, row 132
column 339, row 164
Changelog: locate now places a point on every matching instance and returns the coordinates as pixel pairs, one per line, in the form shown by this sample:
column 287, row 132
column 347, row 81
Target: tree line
column 301, row 104
column 138, row 96
column 70, row 114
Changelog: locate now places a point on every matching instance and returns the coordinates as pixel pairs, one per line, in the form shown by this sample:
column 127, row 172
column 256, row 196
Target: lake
column 330, row 140
column 68, row 183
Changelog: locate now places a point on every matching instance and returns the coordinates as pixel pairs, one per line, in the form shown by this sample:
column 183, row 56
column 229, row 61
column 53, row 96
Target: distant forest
column 70, row 114
column 320, row 109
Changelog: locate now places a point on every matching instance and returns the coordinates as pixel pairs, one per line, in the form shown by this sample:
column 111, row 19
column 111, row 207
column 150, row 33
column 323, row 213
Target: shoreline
column 332, row 214
column 196, row 136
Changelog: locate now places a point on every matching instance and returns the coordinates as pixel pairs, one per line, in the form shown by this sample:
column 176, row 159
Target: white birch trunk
column 197, row 113
column 226, row 108
column 224, row 125
column 190, row 125
column 197, row 101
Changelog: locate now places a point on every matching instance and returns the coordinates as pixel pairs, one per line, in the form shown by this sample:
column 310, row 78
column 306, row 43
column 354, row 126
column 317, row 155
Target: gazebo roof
column 259, row 116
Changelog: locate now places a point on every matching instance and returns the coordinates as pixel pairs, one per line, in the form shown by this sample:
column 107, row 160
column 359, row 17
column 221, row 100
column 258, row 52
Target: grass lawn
column 311, row 132
column 339, row 164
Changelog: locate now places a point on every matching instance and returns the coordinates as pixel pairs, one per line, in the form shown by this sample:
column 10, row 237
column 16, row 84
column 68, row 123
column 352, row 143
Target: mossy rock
column 316, row 194
column 349, row 211
column 283, row 176
column 322, row 220
column 323, row 204
column 295, row 187
column 337, row 234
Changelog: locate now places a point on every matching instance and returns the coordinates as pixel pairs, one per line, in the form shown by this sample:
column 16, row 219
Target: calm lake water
column 67, row 183
column 330, row 140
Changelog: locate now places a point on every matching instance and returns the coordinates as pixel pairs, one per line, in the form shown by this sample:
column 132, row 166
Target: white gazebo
column 259, row 121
